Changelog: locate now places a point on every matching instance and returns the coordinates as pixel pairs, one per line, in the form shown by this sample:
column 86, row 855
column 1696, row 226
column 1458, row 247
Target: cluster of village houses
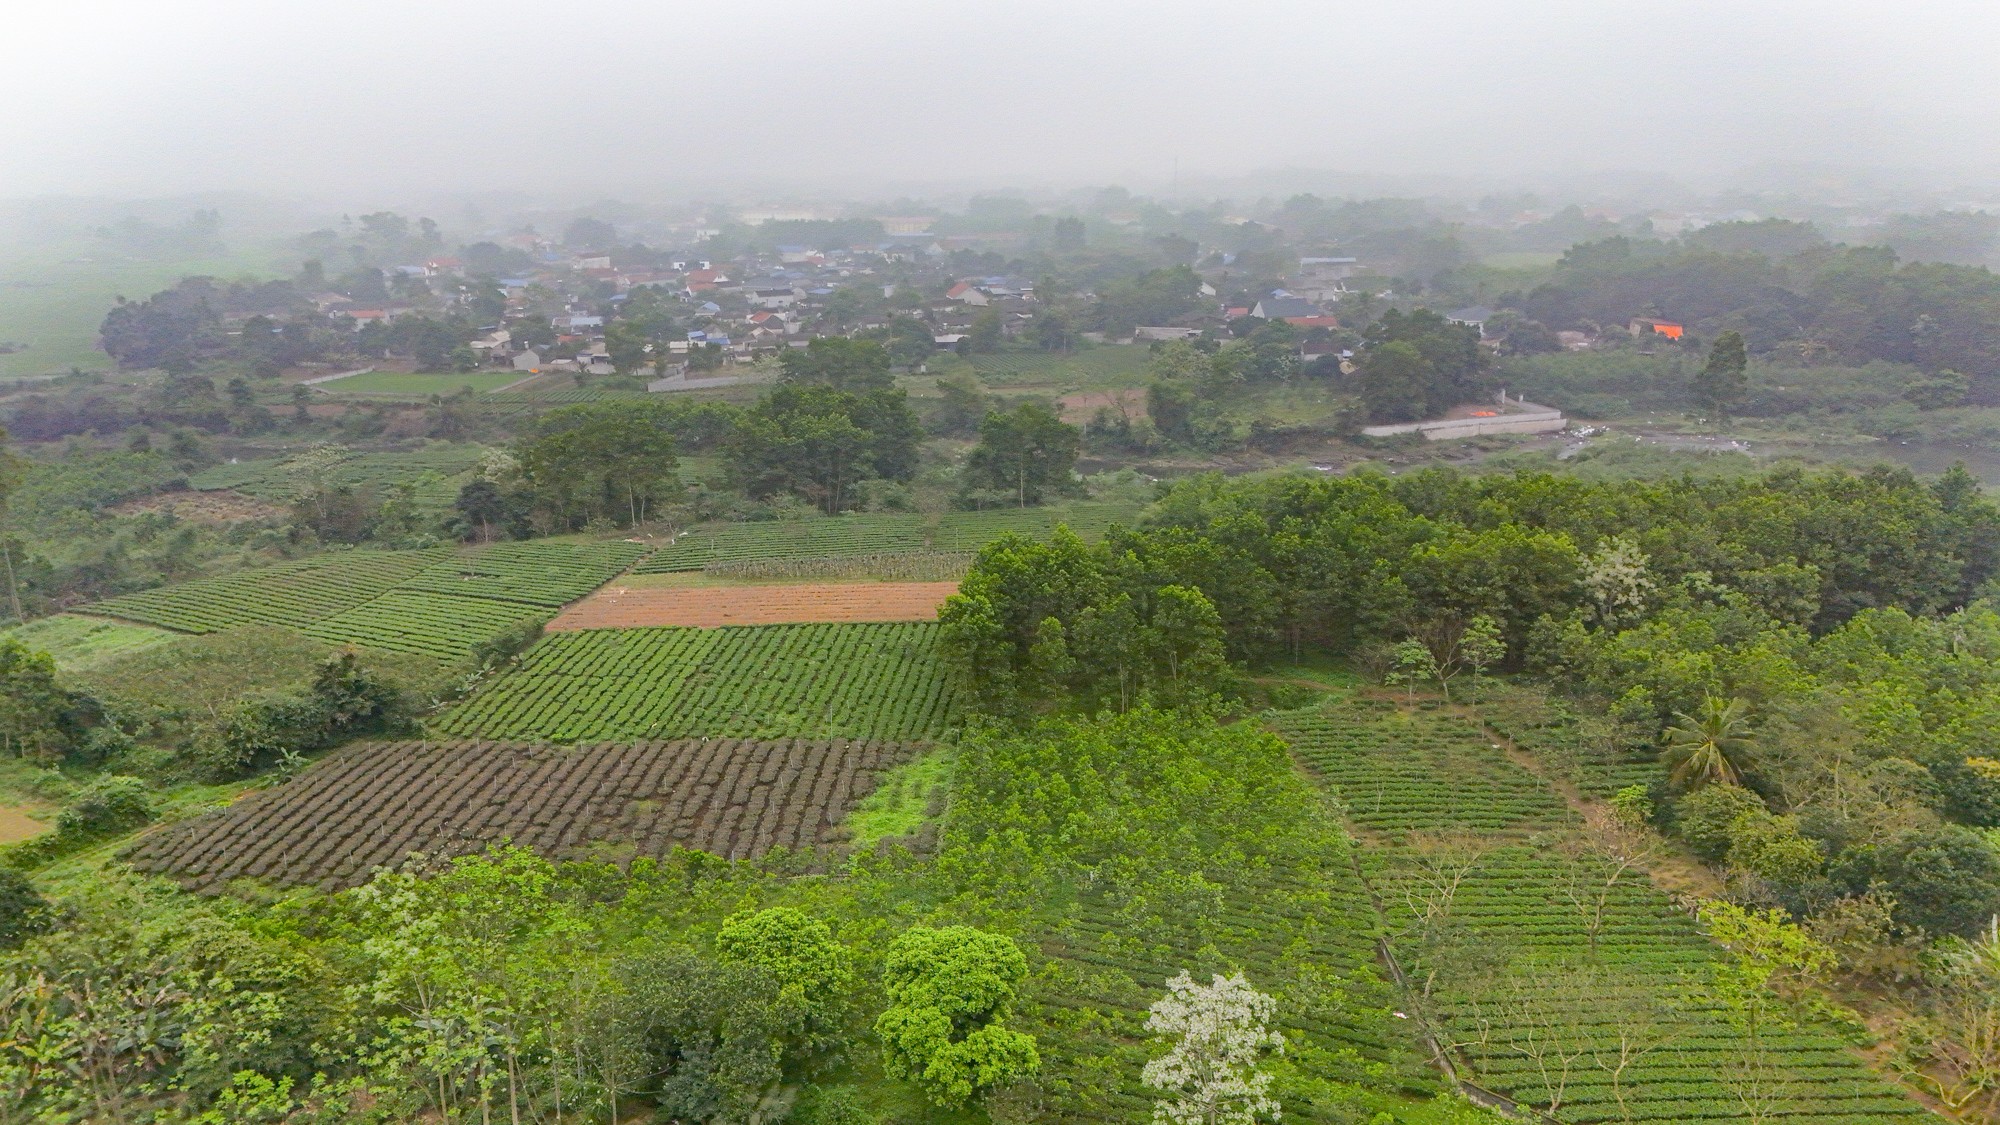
column 758, row 305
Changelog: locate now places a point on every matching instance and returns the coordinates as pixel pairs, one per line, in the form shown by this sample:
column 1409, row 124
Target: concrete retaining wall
column 1537, row 422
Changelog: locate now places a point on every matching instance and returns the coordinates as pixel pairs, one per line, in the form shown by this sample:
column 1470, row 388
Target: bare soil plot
column 16, row 824
column 374, row 804
column 627, row 607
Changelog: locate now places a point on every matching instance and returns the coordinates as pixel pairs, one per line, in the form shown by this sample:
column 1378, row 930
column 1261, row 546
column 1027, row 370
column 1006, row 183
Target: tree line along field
column 436, row 602
column 876, row 534
column 1555, row 986
column 371, row 805
column 871, row 681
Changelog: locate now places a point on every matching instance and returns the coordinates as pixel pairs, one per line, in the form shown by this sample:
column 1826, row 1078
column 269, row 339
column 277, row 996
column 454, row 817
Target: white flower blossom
column 1211, row 1074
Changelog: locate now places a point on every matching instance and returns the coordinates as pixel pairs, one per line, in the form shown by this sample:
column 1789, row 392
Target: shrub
column 1706, row 817
column 507, row 644
column 949, row 989
column 21, row 908
column 108, row 805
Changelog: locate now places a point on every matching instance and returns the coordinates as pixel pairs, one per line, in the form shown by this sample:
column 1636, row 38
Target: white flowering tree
column 1210, row 1075
column 1617, row 579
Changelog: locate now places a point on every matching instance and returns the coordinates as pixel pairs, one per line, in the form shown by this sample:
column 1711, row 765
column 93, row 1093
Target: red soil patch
column 707, row 607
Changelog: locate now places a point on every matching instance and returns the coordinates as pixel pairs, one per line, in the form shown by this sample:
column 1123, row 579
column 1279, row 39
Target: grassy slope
column 80, row 643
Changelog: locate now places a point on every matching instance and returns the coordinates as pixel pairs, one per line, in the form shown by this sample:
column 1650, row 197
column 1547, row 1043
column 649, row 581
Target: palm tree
column 1714, row 748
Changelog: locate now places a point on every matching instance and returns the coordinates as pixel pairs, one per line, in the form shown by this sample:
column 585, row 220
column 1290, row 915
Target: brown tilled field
column 708, row 607
column 371, row 805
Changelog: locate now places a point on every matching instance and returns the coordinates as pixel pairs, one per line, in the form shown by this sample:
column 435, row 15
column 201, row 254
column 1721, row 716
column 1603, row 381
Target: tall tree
column 840, row 363
column 611, row 459
column 1710, row 747
column 1028, row 451
column 816, row 441
column 1721, row 383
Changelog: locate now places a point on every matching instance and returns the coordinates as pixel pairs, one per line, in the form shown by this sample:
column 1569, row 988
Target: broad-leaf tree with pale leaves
column 1210, row 1074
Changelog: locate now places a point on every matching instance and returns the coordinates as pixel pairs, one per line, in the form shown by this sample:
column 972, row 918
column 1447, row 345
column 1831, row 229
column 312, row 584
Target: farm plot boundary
column 373, row 805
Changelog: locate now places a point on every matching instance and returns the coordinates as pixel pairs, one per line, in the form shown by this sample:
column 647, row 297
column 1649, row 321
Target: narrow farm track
column 709, row 607
column 372, row 805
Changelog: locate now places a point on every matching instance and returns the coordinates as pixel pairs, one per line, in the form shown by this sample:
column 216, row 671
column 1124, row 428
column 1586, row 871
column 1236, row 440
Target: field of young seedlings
column 876, row 681
column 730, row 545
column 292, row 594
column 1401, row 772
column 371, row 805
column 1112, row 365
column 1556, row 978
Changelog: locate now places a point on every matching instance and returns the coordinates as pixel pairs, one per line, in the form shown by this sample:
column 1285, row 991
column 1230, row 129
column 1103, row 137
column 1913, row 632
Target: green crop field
column 1688, row 1062
column 78, row 643
column 1411, row 772
column 441, row 625
column 1554, row 984
column 437, row 471
column 813, row 538
column 538, row 573
column 436, row 602
column 1592, row 761
column 1115, row 365
column 291, row 594
column 773, row 681
column 400, row 383
column 886, row 534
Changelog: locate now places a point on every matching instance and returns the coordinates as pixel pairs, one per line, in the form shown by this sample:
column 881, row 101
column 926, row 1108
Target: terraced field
column 873, row 681
column 372, row 805
column 1412, row 772
column 1556, row 986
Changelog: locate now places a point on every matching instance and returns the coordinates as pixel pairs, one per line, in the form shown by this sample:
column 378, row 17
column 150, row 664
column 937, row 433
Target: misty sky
column 123, row 98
